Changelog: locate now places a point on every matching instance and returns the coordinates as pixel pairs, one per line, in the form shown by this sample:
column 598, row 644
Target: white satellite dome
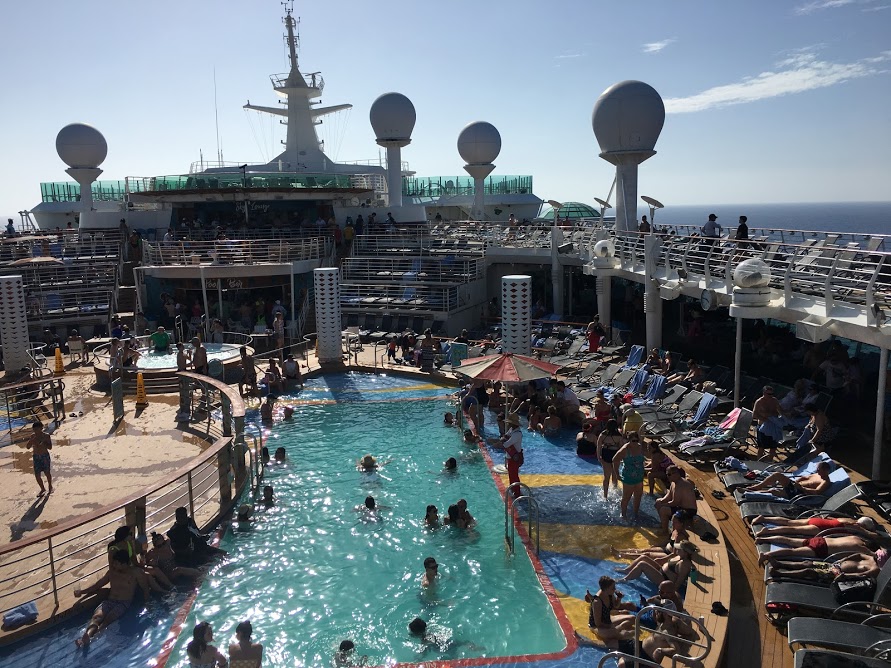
column 605, row 248
column 392, row 117
column 81, row 146
column 479, row 143
column 753, row 273
column 628, row 116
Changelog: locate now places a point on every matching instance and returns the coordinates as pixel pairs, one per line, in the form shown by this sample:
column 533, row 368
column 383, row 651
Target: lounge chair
column 663, row 404
column 676, row 427
column 639, row 382
column 819, row 658
column 384, row 331
column 877, row 493
column 620, row 380
column 589, row 371
column 792, row 508
column 635, row 357
column 665, row 413
column 739, row 434
column 820, row 602
column 801, row 460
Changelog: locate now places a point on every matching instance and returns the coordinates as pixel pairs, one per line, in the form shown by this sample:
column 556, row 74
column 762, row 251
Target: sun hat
column 513, row 419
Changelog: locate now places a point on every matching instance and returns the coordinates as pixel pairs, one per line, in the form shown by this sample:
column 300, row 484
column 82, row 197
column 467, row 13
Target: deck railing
column 46, row 566
column 427, row 269
column 260, row 251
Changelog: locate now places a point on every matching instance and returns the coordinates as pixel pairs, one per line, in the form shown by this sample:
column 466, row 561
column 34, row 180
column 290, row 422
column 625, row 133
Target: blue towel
column 634, row 357
column 26, row 613
column 638, row 382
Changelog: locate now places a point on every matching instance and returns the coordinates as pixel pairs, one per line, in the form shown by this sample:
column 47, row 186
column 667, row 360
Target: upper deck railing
column 406, row 269
column 437, row 186
column 236, row 181
column 259, row 251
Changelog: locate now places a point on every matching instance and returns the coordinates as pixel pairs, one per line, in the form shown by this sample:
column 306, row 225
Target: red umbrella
column 507, row 368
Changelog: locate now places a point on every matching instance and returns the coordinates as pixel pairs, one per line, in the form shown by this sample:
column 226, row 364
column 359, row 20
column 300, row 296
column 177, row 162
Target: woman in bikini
column 630, row 462
column 678, row 534
column 676, row 568
column 813, row 526
column 609, row 443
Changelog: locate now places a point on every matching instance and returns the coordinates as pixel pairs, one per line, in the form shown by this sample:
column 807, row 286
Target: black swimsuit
column 607, row 453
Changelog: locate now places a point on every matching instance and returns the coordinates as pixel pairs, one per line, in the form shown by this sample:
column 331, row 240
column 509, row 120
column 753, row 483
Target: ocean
column 868, row 217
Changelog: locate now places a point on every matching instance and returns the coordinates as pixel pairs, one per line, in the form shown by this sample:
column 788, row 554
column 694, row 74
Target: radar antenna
column 293, row 26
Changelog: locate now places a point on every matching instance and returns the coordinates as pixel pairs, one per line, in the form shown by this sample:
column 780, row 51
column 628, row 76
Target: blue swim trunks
column 42, row 463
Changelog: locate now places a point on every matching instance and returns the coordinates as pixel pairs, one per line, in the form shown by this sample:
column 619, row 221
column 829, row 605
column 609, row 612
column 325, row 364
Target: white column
column 626, row 197
column 13, row 323
column 394, row 175
column 878, row 437
column 327, row 296
column 516, row 314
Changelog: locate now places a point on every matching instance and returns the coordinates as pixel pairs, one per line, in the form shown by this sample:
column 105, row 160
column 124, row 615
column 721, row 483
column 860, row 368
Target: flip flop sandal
column 718, row 608
column 709, row 537
column 72, row 415
column 718, row 494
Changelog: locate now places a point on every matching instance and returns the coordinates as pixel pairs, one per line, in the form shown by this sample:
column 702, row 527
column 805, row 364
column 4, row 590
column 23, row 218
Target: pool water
column 149, row 359
column 287, row 572
column 313, row 570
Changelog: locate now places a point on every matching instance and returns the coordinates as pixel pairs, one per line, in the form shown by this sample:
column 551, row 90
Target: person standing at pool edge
column 512, row 442
column 42, row 444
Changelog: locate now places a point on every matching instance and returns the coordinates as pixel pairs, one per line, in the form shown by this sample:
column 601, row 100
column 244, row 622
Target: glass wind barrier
column 438, row 186
column 252, row 181
column 68, row 191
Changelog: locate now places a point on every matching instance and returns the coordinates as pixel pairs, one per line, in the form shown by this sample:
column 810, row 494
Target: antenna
column 216, row 117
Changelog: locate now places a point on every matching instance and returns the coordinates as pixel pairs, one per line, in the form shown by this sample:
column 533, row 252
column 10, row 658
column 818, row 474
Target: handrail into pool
column 635, row 659
column 533, row 510
column 52, row 562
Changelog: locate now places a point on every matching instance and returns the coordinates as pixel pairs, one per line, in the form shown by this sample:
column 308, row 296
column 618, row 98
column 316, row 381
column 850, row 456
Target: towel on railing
column 26, row 613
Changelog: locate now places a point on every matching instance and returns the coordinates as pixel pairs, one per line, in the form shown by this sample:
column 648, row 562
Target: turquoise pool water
column 149, row 359
column 313, row 570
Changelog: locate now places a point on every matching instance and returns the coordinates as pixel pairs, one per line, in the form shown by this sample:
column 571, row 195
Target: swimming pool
column 150, row 359
column 313, row 570
column 577, row 528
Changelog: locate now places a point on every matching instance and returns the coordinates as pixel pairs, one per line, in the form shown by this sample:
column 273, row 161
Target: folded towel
column 26, row 613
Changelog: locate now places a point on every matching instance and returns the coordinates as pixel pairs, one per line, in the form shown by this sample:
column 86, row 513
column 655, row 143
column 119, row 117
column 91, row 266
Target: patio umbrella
column 507, row 368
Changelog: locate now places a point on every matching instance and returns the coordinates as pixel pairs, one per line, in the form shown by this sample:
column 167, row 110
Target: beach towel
column 26, row 613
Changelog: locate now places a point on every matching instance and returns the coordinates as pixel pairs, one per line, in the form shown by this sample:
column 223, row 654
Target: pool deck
column 730, row 560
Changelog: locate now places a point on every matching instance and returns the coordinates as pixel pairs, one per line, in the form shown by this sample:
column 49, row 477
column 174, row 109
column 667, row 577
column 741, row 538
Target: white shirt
column 514, row 440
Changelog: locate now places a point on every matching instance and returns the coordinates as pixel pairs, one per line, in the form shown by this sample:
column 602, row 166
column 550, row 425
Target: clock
column 708, row 300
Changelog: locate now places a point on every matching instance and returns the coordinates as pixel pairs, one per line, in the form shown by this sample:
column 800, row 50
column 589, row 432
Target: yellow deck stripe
column 593, row 542
column 557, row 479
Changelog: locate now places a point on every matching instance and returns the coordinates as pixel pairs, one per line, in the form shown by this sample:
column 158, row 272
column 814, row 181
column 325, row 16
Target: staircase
column 126, row 307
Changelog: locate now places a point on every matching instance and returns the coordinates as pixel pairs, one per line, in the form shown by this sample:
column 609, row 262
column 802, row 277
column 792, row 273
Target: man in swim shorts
column 680, row 498
column 814, row 547
column 855, row 566
column 779, row 484
column 122, row 587
column 42, row 444
column 199, row 356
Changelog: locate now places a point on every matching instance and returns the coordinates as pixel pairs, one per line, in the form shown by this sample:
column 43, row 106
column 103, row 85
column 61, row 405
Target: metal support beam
column 878, row 437
column 737, row 363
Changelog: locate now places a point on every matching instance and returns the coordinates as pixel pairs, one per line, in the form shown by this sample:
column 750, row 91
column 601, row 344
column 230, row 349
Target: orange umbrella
column 507, row 368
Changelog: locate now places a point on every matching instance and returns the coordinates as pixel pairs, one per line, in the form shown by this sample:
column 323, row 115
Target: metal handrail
column 533, row 510
column 508, row 509
column 617, row 656
column 703, row 632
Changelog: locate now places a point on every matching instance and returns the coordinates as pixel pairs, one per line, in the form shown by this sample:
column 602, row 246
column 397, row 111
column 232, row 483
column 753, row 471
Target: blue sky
column 769, row 101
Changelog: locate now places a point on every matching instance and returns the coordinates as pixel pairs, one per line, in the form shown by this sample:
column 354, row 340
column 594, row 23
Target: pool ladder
column 510, row 527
